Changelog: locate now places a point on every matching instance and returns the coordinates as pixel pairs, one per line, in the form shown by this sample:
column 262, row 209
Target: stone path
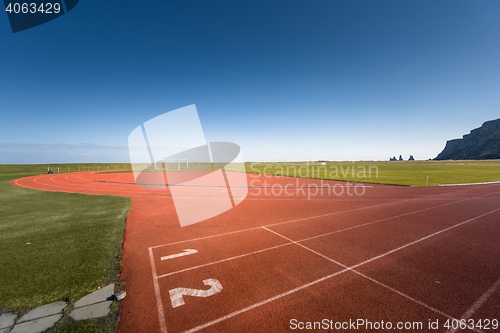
column 93, row 305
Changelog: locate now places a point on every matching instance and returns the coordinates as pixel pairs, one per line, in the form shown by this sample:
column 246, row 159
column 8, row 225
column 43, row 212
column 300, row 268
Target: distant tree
column 411, row 158
column 400, row 157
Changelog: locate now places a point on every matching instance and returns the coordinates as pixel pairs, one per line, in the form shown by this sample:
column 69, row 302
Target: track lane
column 152, row 222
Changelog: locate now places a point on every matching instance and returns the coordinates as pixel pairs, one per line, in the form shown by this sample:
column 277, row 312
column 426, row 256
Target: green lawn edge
column 75, row 245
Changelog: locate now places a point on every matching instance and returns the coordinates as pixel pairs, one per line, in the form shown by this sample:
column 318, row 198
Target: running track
column 393, row 254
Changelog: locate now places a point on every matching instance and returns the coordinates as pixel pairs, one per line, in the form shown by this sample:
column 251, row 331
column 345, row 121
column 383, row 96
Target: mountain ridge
column 481, row 143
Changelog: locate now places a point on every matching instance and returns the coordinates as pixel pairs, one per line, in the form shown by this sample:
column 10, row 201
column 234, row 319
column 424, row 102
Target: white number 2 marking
column 176, row 295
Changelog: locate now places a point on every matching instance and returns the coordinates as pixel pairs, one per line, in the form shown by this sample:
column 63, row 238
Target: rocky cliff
column 482, row 143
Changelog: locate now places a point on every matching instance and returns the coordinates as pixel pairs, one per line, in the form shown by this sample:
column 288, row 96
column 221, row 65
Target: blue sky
column 286, row 80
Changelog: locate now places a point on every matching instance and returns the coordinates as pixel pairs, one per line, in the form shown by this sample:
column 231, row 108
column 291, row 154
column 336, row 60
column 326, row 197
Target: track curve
column 371, row 225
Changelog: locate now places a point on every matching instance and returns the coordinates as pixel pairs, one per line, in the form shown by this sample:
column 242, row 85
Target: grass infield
column 412, row 173
column 55, row 246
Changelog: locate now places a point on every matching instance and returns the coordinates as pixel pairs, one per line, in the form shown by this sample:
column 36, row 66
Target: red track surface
column 393, row 254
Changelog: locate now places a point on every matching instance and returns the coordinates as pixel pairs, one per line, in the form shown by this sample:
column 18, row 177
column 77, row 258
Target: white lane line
column 301, row 240
column 223, row 260
column 20, row 185
column 469, row 184
column 470, row 312
column 364, row 276
column 159, row 303
column 319, row 216
column 253, row 306
column 88, row 184
column 408, row 297
column 185, row 252
column 49, row 187
column 424, row 238
column 285, row 222
column 377, row 221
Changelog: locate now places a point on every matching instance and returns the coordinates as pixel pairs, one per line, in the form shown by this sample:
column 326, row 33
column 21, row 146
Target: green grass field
column 413, row 173
column 56, row 246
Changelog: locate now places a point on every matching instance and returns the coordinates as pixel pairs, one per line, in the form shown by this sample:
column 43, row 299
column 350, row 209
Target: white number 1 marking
column 177, row 293
column 185, row 252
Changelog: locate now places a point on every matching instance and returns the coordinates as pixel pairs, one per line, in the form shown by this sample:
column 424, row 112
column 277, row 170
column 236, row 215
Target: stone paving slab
column 7, row 320
column 92, row 311
column 43, row 311
column 37, row 325
column 94, row 305
column 95, row 297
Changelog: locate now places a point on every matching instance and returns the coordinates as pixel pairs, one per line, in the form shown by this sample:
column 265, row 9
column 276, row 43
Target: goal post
column 174, row 164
